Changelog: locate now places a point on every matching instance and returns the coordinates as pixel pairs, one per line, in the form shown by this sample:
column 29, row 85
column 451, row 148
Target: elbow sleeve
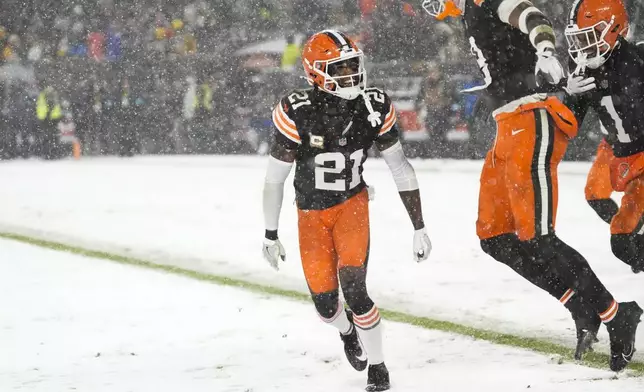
column 402, row 171
column 273, row 193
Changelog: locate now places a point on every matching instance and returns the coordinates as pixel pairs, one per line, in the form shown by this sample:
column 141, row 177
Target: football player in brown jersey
column 514, row 44
column 326, row 130
column 608, row 76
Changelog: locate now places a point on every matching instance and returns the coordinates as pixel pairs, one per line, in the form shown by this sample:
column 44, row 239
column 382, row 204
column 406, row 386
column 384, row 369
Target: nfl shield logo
column 343, row 141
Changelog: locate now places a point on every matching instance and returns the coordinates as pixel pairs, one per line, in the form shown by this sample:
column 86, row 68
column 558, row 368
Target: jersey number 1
column 622, row 136
column 339, row 161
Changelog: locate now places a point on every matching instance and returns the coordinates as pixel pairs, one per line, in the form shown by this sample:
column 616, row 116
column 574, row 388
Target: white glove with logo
column 549, row 65
column 422, row 245
column 273, row 251
column 578, row 84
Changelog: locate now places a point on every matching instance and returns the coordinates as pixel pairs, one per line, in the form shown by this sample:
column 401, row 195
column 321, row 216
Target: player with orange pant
column 514, row 46
column 598, row 189
column 519, row 184
column 611, row 69
column 608, row 77
column 343, row 228
column 326, row 130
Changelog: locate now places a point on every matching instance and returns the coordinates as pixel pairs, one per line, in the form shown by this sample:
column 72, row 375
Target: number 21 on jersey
column 334, row 178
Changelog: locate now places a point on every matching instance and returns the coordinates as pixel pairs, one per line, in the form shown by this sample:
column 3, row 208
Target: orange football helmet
column 335, row 64
column 594, row 29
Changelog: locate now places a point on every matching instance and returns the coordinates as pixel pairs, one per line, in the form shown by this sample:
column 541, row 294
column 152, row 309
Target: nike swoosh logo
column 627, row 357
column 517, row 131
column 347, row 128
column 362, row 357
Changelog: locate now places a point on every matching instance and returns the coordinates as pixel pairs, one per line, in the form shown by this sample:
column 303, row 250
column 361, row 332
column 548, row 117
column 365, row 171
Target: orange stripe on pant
column 598, row 184
column 519, row 184
column 333, row 238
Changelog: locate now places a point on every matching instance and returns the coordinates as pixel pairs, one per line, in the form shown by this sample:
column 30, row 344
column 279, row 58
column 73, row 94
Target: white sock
column 339, row 320
column 370, row 333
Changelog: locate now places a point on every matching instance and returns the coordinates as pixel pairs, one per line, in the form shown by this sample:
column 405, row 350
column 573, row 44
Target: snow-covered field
column 70, row 323
column 204, row 213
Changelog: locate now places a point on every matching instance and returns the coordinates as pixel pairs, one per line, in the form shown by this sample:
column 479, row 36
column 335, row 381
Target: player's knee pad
column 605, row 208
column 326, row 304
column 514, row 253
column 506, row 249
column 544, row 245
column 565, row 261
column 629, row 248
column 500, row 247
column 353, row 281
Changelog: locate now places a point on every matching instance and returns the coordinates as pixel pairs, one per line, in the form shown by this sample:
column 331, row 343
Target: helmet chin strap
column 374, row 117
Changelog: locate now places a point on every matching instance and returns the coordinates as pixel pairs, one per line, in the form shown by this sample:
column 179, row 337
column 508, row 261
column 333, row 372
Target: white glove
column 578, row 84
column 548, row 64
column 422, row 245
column 273, row 251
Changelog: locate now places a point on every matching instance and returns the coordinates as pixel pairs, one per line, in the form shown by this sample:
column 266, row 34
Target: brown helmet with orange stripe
column 335, row 64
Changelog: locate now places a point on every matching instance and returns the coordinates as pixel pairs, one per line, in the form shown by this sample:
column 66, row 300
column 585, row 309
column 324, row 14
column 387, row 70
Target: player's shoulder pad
column 292, row 95
column 378, row 98
column 382, row 103
column 285, row 113
column 294, row 99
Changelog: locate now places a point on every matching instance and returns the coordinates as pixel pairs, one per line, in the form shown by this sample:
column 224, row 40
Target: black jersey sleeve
column 388, row 133
column 579, row 105
column 385, row 106
column 390, row 138
column 286, row 133
column 523, row 15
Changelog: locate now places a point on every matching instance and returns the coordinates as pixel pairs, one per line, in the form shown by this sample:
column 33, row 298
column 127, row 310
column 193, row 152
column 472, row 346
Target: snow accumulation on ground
column 71, row 323
column 204, row 213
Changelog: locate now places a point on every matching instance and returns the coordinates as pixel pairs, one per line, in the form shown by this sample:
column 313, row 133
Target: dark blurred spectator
column 436, row 100
column 126, row 138
column 154, row 44
column 48, row 112
column 310, row 15
column 367, row 8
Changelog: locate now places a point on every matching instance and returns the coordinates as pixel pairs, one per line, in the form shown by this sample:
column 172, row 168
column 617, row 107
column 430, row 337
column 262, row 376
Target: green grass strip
column 595, row 360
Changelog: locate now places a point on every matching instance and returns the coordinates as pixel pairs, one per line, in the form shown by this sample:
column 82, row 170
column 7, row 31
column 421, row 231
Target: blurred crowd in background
column 125, row 77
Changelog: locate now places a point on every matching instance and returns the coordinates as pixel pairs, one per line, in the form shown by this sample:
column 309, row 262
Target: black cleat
column 587, row 324
column 622, row 331
column 353, row 348
column 587, row 328
column 378, row 378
